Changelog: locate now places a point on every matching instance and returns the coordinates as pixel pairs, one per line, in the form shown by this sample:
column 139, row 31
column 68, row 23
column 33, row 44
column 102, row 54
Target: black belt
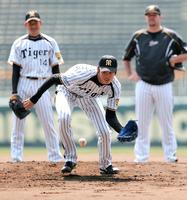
column 35, row 78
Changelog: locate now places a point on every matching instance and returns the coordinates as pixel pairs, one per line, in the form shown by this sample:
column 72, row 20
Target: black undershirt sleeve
column 15, row 77
column 53, row 80
column 112, row 120
column 55, row 69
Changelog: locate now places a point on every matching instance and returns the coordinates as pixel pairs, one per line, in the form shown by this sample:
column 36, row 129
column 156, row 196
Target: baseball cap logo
column 32, row 13
column 152, row 7
column 108, row 62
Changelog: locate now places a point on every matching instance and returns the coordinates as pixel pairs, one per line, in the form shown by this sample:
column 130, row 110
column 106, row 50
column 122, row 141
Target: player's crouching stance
column 81, row 86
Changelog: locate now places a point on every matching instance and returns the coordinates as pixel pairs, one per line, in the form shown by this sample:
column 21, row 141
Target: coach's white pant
column 149, row 98
column 43, row 108
column 65, row 102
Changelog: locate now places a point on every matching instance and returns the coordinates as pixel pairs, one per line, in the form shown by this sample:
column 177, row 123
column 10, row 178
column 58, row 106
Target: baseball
column 82, row 142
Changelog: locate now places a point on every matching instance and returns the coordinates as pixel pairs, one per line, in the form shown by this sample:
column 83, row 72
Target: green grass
column 89, row 150
column 154, row 150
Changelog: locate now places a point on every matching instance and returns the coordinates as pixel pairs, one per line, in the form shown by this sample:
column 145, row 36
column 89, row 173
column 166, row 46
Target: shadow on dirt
column 102, row 178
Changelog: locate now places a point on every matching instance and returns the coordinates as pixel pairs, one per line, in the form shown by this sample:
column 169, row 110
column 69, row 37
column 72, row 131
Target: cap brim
column 107, row 69
column 34, row 18
column 152, row 12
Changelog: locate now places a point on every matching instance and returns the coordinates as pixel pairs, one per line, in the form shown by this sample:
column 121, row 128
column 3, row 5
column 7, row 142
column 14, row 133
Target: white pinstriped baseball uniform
column 36, row 59
column 81, row 88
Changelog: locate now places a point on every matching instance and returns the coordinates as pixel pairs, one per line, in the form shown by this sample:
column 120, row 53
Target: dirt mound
column 39, row 179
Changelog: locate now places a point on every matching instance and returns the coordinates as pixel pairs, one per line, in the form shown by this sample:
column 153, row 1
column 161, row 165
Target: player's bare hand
column 27, row 104
column 134, row 77
column 173, row 60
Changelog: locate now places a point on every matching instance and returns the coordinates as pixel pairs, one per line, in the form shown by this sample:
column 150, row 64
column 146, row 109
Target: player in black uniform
column 152, row 48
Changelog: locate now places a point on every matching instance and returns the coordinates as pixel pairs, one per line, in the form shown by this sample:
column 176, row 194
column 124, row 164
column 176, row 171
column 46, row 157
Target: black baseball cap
column 108, row 63
column 152, row 9
column 32, row 15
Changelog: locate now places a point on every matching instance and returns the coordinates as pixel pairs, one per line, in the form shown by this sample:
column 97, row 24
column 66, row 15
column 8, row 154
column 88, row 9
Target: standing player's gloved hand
column 16, row 104
column 129, row 132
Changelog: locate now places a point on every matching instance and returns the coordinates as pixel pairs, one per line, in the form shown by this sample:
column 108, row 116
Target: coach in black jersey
column 152, row 48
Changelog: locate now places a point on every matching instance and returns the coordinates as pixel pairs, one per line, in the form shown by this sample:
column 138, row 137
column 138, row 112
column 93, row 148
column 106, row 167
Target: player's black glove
column 15, row 103
column 129, row 132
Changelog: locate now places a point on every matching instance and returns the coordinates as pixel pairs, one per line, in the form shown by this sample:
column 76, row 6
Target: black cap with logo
column 32, row 15
column 152, row 9
column 108, row 63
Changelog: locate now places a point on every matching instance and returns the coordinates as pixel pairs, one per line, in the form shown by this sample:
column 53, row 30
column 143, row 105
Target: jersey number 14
column 43, row 62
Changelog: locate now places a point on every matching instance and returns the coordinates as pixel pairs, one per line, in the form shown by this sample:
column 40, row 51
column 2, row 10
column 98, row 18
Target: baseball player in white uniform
column 34, row 57
column 81, row 86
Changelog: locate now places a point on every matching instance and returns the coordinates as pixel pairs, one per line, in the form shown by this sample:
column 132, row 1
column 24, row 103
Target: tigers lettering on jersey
column 89, row 85
column 89, row 88
column 33, row 53
column 35, row 56
column 82, row 81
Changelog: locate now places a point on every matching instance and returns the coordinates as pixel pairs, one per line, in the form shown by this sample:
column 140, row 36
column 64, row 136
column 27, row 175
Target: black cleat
column 109, row 170
column 68, row 167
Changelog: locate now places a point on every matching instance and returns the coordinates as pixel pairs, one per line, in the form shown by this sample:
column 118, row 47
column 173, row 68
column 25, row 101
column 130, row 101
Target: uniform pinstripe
column 35, row 59
column 149, row 98
column 80, row 89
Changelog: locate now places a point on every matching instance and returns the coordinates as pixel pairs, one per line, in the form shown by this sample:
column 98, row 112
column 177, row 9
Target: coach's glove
column 129, row 132
column 15, row 103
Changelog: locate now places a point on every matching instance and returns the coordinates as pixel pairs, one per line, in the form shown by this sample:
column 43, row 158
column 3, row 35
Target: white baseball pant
column 43, row 108
column 65, row 102
column 149, row 98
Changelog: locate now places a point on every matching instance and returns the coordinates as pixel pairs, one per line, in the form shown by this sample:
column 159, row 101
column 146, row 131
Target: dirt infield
column 40, row 180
